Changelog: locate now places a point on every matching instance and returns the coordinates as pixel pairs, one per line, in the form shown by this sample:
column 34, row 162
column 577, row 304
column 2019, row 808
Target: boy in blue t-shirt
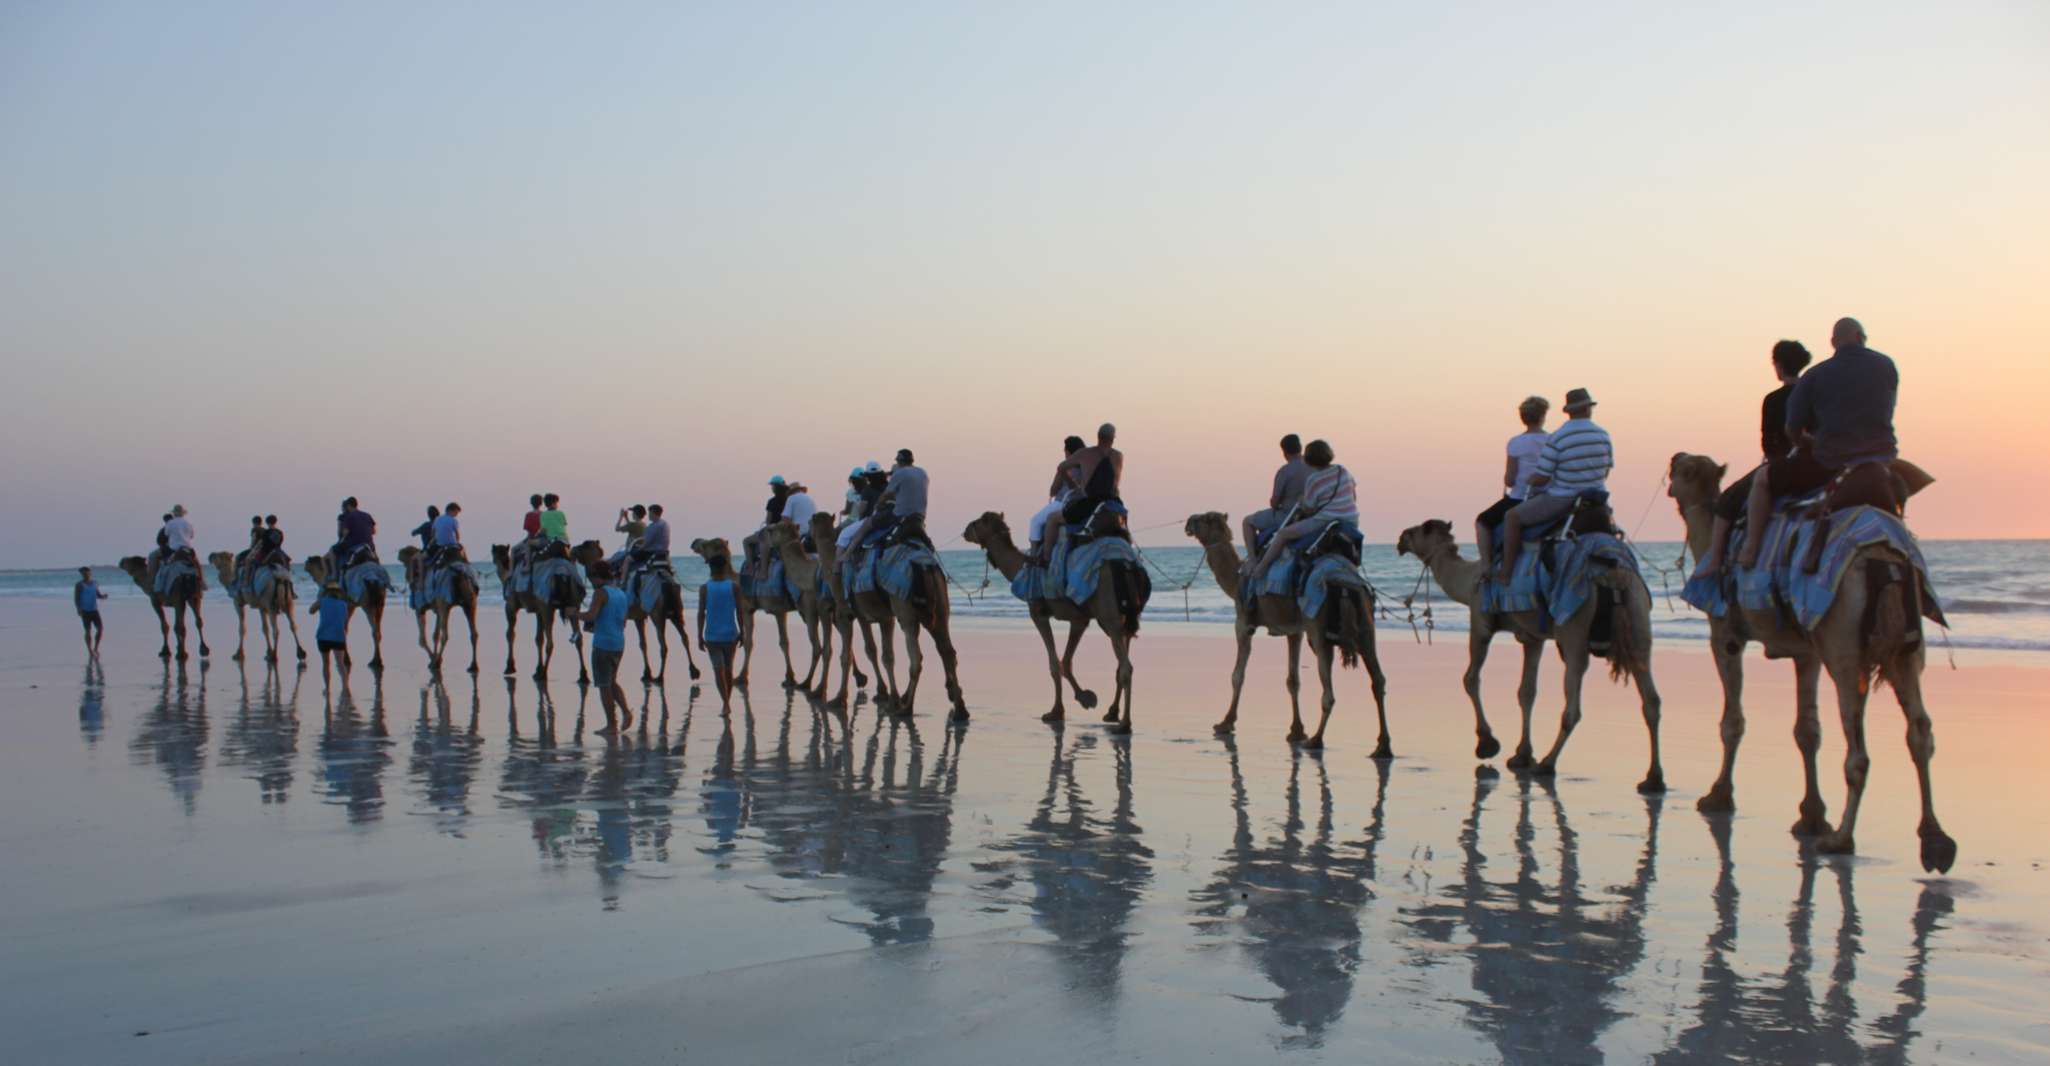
column 719, row 626
column 332, row 636
column 86, row 596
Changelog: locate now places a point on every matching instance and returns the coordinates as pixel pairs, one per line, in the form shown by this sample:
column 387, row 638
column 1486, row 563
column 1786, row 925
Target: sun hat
column 1579, row 400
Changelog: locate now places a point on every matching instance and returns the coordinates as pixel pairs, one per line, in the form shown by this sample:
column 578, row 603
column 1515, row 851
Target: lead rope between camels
column 1194, row 573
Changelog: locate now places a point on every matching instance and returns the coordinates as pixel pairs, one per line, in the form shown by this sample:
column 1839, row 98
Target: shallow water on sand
column 218, row 863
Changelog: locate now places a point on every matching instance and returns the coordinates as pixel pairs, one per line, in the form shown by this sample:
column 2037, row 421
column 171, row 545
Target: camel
column 372, row 607
column 669, row 612
column 813, row 608
column 565, row 594
column 462, row 594
column 777, row 604
column 1838, row 643
column 1280, row 616
column 993, row 536
column 275, row 603
column 845, row 617
column 1433, row 543
column 185, row 595
column 929, row 613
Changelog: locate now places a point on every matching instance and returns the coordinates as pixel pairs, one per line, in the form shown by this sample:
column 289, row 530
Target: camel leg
column 886, row 674
column 376, row 616
column 178, row 614
column 544, row 643
column 1120, row 717
column 1476, row 655
column 1722, row 796
column 267, row 622
column 470, row 622
column 292, row 619
column 1077, row 628
column 783, row 642
column 1044, row 623
column 827, row 628
column 916, row 654
column 163, row 624
column 1294, row 684
column 747, row 647
column 683, row 635
column 1574, row 651
column 846, row 664
column 420, row 623
column 1382, row 748
column 950, row 668
column 241, row 630
column 512, row 632
column 199, row 624
column 1526, row 700
column 1648, row 695
column 1814, row 820
column 1939, row 851
column 576, row 641
column 1238, row 681
column 811, row 637
column 1850, row 704
column 1324, row 652
column 641, row 634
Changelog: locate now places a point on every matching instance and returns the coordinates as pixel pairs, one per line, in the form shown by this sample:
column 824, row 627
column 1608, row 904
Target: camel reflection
column 354, row 753
column 262, row 739
column 629, row 796
column 1777, row 1018
column 1547, row 960
column 1294, row 903
column 541, row 776
column 1086, row 871
column 173, row 735
column 446, row 755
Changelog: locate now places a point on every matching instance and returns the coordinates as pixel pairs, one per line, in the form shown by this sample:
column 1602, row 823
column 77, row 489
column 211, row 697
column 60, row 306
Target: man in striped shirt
column 1329, row 495
column 1575, row 461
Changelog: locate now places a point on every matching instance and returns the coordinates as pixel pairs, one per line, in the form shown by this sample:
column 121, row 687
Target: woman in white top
column 1523, row 457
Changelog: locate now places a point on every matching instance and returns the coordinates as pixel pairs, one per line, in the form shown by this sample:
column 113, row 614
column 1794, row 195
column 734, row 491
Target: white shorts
column 849, row 535
column 1036, row 531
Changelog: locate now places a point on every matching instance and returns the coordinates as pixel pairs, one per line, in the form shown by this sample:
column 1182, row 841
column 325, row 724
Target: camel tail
column 1891, row 627
column 1353, row 623
column 1630, row 630
column 1133, row 588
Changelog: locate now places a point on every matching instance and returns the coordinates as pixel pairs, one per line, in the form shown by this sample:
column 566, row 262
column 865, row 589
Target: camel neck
column 1224, row 566
column 1699, row 517
column 1456, row 577
column 1005, row 556
column 799, row 565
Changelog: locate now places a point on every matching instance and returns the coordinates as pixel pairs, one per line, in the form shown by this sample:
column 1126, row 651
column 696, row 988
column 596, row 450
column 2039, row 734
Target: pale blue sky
column 261, row 256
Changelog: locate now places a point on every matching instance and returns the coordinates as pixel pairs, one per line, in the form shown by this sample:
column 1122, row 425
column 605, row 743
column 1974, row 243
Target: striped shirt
column 1577, row 457
column 1331, row 493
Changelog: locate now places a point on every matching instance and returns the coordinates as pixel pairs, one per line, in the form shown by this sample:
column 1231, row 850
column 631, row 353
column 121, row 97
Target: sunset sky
column 261, row 256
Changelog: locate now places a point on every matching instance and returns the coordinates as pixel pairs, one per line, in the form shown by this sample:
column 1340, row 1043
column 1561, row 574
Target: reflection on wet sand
column 173, row 734
column 262, row 738
column 92, row 700
column 1087, row 873
column 540, row 776
column 1547, row 960
column 1777, row 1019
column 446, row 755
column 1295, row 905
column 354, row 752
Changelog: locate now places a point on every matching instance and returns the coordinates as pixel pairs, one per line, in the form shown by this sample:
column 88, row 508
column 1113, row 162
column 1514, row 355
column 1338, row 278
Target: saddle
column 361, row 553
column 1107, row 519
column 1342, row 539
column 1886, row 485
column 907, row 530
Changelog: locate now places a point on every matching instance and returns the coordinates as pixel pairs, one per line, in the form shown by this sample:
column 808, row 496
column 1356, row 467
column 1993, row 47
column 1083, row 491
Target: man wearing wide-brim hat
column 1575, row 461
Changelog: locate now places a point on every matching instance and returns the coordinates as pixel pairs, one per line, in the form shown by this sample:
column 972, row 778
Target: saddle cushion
column 1558, row 577
column 1780, row 581
column 358, row 580
column 1327, row 572
column 1074, row 569
column 171, row 570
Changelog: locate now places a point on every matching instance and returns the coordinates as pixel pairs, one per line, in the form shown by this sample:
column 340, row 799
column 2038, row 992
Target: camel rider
column 902, row 508
column 554, row 526
column 242, row 567
column 1523, row 452
column 798, row 508
column 163, row 548
column 1574, row 462
column 425, row 530
column 631, row 523
column 1789, row 358
column 181, row 539
column 270, row 549
column 1284, row 499
column 1840, row 415
column 779, row 493
column 355, row 532
column 530, row 526
column 448, row 537
column 1097, row 471
column 653, row 542
column 1058, row 493
column 850, row 508
column 854, row 517
column 1329, row 495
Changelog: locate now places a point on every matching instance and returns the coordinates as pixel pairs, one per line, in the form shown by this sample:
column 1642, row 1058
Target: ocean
column 1996, row 592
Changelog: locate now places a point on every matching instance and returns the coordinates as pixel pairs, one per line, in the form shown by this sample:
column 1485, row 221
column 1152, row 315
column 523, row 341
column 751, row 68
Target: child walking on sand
column 86, row 596
column 332, row 637
column 606, row 622
column 719, row 626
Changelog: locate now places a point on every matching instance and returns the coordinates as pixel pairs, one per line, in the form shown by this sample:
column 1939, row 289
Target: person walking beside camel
column 332, row 635
column 605, row 619
column 719, row 626
column 86, row 596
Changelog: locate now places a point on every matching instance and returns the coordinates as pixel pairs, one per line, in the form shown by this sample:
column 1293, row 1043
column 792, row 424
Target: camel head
column 136, row 567
column 1428, row 541
column 316, row 568
column 1210, row 528
column 988, row 530
column 708, row 550
column 1694, row 478
column 408, row 553
column 587, row 552
column 501, row 558
column 821, row 527
column 223, row 563
column 781, row 535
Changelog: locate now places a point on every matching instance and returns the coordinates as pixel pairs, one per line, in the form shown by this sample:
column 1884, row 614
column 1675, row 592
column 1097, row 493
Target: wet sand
column 219, row 865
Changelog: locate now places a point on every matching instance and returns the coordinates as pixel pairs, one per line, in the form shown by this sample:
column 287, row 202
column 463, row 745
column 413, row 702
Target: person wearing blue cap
column 778, row 492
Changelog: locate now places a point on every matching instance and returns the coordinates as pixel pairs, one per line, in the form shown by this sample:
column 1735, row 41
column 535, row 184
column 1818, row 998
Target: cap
column 1579, row 400
column 873, row 467
column 776, row 480
column 856, row 472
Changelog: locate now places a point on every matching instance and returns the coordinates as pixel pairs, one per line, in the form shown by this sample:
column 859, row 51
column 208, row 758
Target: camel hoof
column 1111, row 715
column 1654, row 783
column 1382, row 752
column 1120, row 728
column 165, row 655
column 694, row 674
column 1836, row 844
column 1225, row 728
column 1488, row 747
column 583, row 679
column 1086, row 698
column 1520, row 761
column 1717, row 801
column 1810, row 825
column 473, row 668
column 302, row 657
column 1058, row 714
column 1547, row 768
column 182, row 657
column 205, row 651
column 377, row 664
column 960, row 715
column 237, row 656
column 1939, row 851
column 510, row 670
column 1313, row 744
